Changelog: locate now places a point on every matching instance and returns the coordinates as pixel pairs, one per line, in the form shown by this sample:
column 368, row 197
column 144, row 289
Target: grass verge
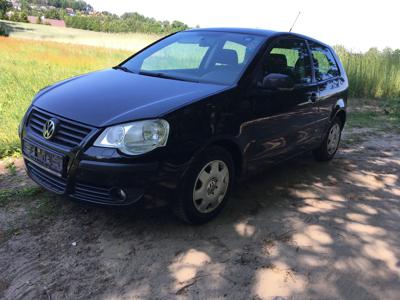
column 380, row 114
column 28, row 66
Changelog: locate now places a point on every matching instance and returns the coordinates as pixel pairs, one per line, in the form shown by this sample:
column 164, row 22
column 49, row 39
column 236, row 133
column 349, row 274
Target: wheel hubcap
column 333, row 139
column 211, row 186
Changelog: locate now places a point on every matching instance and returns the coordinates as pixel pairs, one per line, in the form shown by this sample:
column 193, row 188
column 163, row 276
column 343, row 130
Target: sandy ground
column 302, row 230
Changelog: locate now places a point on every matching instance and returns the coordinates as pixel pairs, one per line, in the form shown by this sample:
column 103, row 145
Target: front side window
column 289, row 57
column 212, row 57
column 324, row 63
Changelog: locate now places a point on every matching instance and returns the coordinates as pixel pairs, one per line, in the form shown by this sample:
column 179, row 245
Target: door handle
column 312, row 97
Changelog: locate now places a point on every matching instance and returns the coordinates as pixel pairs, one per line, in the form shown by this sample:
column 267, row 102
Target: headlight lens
column 135, row 138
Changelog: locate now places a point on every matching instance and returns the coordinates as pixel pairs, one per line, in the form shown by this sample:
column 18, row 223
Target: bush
column 19, row 17
column 3, row 31
column 53, row 14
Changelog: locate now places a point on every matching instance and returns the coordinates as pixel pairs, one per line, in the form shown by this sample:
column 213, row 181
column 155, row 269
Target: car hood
column 111, row 96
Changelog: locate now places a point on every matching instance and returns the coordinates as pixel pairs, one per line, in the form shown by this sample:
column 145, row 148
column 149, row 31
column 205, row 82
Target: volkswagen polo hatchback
column 188, row 115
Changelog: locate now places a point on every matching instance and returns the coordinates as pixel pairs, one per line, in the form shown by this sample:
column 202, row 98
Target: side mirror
column 277, row 81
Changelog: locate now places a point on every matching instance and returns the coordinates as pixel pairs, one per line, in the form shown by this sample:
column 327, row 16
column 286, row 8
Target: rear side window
column 324, row 63
column 290, row 57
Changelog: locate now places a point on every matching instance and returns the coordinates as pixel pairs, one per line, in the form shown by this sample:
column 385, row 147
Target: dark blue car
column 188, row 115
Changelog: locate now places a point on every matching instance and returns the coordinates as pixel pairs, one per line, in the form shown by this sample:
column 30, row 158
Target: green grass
column 44, row 204
column 380, row 114
column 27, row 66
column 127, row 41
column 374, row 74
column 10, row 166
column 9, row 195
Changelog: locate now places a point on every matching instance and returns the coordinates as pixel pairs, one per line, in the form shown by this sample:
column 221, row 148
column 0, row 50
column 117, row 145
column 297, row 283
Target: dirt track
column 303, row 230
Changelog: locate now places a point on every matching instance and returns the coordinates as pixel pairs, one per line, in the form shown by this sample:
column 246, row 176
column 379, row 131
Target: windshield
column 199, row 56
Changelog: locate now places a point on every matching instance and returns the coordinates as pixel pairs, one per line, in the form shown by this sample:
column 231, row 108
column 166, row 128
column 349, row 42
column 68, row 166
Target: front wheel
column 206, row 187
column 327, row 150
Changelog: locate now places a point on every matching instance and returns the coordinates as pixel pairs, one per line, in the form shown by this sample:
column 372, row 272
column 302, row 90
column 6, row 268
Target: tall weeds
column 374, row 74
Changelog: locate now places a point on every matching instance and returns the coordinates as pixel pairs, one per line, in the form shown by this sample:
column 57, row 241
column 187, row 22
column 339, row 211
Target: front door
column 283, row 121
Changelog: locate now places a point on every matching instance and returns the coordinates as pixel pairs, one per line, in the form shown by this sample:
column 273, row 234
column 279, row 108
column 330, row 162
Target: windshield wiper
column 166, row 76
column 122, row 68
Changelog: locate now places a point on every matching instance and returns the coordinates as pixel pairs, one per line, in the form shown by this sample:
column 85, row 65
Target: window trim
column 312, row 62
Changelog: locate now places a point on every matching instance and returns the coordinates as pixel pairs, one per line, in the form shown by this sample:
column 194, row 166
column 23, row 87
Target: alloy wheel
column 211, row 186
column 333, row 139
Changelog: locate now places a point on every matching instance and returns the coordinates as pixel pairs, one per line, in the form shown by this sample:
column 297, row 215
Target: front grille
column 92, row 193
column 69, row 134
column 46, row 179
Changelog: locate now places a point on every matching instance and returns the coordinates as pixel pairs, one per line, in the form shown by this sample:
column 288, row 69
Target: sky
column 357, row 25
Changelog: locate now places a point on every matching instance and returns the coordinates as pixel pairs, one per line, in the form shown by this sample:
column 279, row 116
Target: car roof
column 261, row 32
column 253, row 31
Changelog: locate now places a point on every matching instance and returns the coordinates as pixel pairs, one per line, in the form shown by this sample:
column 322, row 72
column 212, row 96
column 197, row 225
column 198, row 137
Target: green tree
column 23, row 17
column 4, row 6
column 128, row 22
column 53, row 14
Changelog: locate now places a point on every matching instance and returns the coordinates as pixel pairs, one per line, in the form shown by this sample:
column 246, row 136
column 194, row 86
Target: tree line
column 128, row 22
column 74, row 4
column 84, row 18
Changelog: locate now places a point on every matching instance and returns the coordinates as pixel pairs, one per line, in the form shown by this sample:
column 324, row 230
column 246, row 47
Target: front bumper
column 99, row 182
column 98, row 175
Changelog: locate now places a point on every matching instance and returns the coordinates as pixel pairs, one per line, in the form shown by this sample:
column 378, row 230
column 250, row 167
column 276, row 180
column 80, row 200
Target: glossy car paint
column 249, row 121
column 120, row 97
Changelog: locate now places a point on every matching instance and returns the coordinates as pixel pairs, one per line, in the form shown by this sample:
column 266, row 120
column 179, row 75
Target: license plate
column 47, row 159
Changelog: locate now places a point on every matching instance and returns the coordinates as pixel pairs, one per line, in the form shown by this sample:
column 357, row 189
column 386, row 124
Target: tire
column 327, row 150
column 205, row 187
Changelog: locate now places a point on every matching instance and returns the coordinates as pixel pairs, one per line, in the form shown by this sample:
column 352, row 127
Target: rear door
column 283, row 121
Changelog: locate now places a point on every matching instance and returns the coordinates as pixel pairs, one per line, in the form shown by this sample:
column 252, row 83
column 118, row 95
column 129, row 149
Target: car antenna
column 295, row 20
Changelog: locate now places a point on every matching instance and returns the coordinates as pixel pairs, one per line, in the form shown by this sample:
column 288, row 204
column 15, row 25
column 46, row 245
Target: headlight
column 135, row 138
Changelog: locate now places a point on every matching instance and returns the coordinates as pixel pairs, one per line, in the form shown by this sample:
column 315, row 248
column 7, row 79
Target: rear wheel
column 206, row 187
column 329, row 146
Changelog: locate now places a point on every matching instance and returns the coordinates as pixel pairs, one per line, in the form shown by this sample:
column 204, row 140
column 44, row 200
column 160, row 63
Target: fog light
column 118, row 194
